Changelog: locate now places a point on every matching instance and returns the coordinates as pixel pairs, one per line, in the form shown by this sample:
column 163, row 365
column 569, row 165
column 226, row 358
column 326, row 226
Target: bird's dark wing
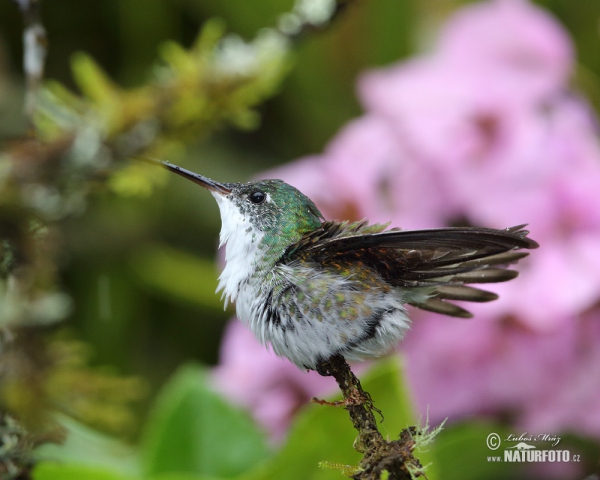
column 445, row 258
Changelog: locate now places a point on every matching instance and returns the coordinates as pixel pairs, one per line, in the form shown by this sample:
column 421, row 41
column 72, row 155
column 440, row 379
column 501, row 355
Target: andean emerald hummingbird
column 313, row 289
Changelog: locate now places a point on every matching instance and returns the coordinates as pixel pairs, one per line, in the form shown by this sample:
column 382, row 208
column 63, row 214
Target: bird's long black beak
column 194, row 177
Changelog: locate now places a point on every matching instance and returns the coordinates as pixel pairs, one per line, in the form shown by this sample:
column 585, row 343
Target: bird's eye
column 257, row 197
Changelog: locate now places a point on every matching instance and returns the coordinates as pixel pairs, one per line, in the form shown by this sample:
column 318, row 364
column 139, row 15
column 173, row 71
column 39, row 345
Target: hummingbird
column 312, row 289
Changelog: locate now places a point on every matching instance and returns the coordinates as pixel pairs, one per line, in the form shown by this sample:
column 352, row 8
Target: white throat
column 242, row 240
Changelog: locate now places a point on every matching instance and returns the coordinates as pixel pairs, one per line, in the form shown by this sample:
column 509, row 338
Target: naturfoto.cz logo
column 522, row 449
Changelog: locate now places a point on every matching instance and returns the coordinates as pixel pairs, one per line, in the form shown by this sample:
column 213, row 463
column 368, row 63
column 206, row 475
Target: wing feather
column 445, row 259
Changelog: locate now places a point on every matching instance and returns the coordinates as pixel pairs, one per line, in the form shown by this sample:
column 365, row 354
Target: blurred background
column 140, row 264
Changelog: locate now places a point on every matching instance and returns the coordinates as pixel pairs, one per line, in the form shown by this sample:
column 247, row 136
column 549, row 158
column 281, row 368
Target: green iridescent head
column 275, row 208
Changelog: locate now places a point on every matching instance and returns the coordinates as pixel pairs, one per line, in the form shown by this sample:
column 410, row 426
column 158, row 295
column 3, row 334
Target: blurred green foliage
column 129, row 77
column 193, row 434
column 193, row 430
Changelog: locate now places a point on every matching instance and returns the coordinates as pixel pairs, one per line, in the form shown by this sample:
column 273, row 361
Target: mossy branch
column 381, row 458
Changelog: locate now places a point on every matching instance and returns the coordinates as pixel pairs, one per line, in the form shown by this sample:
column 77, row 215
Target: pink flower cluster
column 483, row 130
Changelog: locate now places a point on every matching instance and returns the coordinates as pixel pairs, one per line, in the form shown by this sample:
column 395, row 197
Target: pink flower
column 544, row 380
column 513, row 38
column 497, row 63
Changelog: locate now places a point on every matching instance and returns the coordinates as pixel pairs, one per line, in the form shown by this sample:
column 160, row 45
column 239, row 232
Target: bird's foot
column 336, row 403
column 348, row 402
column 352, row 391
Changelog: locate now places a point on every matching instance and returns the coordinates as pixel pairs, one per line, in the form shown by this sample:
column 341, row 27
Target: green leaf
column 87, row 448
column 182, row 476
column 193, row 430
column 325, row 434
column 92, row 80
column 57, row 471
